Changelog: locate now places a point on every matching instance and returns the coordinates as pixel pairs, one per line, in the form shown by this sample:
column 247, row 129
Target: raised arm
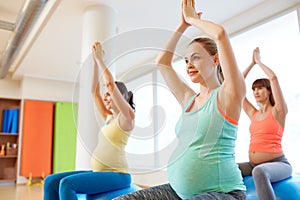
column 126, row 119
column 248, row 69
column 247, row 106
column 96, row 94
column 233, row 89
column 164, row 61
column 280, row 106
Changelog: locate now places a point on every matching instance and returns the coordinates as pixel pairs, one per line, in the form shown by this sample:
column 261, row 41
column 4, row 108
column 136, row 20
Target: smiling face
column 107, row 100
column 200, row 64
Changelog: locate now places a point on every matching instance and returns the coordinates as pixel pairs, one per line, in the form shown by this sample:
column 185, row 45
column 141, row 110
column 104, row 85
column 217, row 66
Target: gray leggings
column 266, row 173
column 165, row 192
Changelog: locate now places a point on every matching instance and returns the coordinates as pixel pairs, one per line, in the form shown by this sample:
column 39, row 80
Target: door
column 37, row 136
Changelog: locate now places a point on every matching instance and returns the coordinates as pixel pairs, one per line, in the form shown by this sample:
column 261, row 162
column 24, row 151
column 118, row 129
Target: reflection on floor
column 21, row 192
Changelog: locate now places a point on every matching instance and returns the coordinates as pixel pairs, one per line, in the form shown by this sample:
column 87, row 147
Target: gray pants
column 266, row 173
column 165, row 192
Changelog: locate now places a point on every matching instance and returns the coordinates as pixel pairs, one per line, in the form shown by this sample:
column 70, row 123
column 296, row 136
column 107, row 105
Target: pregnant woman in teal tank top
column 203, row 164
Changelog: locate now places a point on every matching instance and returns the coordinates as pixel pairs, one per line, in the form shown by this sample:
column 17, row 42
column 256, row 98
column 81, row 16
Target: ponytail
column 220, row 74
column 128, row 95
column 130, row 100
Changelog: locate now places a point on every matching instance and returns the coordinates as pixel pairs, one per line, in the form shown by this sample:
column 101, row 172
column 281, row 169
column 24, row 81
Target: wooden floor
column 21, row 192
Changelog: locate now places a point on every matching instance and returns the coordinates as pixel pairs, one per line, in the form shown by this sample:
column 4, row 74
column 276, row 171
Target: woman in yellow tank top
column 109, row 166
column 267, row 161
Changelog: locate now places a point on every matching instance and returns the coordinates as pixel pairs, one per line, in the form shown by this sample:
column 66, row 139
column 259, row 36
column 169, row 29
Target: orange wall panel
column 36, row 154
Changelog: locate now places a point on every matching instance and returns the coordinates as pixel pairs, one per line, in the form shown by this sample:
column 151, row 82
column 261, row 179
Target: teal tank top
column 204, row 158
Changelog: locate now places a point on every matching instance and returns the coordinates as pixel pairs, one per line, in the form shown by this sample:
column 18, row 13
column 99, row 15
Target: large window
column 141, row 144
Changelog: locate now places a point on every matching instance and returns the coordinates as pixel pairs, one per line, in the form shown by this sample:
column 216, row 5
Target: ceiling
column 54, row 51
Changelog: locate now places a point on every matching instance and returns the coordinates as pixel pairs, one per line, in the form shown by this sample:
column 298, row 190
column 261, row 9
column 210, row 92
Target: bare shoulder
column 230, row 102
column 126, row 123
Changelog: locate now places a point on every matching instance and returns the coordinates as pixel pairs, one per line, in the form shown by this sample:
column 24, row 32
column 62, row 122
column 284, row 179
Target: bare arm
column 181, row 91
column 96, row 94
column 247, row 106
column 232, row 91
column 280, row 106
column 126, row 119
column 248, row 69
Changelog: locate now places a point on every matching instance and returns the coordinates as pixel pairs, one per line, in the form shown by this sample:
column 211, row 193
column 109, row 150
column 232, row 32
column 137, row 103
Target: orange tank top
column 266, row 134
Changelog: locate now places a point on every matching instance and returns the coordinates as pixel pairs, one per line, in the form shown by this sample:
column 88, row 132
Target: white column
column 99, row 23
column 298, row 13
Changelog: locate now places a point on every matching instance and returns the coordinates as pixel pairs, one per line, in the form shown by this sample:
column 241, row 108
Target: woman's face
column 261, row 94
column 107, row 100
column 200, row 65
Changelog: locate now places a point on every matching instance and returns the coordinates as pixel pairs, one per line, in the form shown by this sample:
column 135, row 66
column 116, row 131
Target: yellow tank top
column 109, row 154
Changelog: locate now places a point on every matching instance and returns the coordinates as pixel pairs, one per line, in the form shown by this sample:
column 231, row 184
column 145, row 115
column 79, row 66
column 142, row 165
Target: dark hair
column 264, row 82
column 211, row 47
column 220, row 74
column 128, row 95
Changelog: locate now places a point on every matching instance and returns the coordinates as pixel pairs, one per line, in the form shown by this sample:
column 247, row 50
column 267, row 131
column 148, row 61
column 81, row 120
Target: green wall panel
column 64, row 146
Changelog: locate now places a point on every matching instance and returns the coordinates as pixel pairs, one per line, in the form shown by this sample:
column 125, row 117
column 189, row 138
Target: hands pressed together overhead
column 189, row 12
column 256, row 56
column 98, row 51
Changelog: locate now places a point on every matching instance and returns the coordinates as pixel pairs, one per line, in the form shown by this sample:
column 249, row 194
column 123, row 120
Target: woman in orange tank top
column 267, row 162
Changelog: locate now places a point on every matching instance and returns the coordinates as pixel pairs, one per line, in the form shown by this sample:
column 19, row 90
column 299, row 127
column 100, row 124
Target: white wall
column 49, row 90
column 10, row 88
